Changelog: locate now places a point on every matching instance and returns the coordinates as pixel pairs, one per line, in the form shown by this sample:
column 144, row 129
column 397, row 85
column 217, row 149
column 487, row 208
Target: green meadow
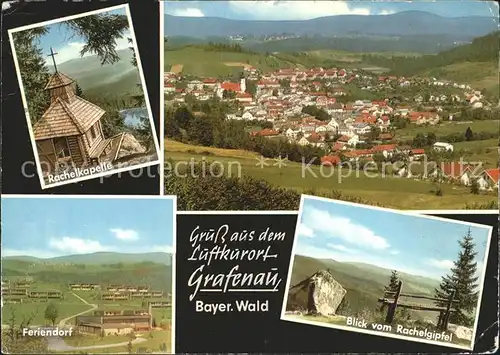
column 386, row 190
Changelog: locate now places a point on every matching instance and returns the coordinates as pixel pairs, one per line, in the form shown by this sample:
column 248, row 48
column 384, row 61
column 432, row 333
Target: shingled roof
column 63, row 119
column 58, row 80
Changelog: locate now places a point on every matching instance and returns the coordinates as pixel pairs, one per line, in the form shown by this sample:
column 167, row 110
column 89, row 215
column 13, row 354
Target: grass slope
column 475, row 63
column 387, row 190
column 206, row 63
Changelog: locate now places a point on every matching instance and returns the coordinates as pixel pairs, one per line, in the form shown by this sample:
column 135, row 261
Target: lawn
column 386, row 190
column 66, row 308
column 485, row 151
column 89, row 340
column 447, row 127
column 160, row 314
column 153, row 343
column 480, row 75
column 198, row 62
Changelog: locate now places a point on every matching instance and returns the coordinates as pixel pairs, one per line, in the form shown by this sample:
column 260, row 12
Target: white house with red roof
column 491, row 177
column 454, row 171
column 169, row 88
column 244, row 97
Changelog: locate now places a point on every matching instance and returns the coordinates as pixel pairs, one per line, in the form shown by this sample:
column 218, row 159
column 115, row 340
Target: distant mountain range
column 406, row 23
column 99, row 258
column 116, row 79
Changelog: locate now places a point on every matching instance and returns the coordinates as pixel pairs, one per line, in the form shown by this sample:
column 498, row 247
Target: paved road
column 58, row 344
column 63, row 322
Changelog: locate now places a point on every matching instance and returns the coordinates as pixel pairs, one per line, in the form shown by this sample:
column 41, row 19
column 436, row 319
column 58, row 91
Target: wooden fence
column 392, row 300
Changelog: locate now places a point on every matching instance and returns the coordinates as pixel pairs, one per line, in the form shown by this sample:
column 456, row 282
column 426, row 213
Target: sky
column 51, row 227
column 303, row 10
column 68, row 45
column 412, row 244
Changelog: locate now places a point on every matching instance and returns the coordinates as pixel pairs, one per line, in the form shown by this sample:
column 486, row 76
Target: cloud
column 70, row 245
column 305, row 231
column 342, row 228
column 386, row 12
column 125, row 234
column 441, row 264
column 394, row 252
column 342, row 248
column 72, row 50
column 297, row 10
column 187, row 12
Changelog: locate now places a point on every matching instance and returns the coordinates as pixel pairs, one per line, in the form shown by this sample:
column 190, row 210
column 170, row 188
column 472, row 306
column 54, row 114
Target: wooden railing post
column 391, row 311
column 448, row 311
column 440, row 320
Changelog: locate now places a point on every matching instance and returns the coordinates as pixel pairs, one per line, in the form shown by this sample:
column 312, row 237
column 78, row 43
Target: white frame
column 43, row 184
column 132, row 197
column 408, row 213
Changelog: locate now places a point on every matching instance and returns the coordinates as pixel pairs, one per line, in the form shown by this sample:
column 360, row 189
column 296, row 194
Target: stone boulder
column 130, row 146
column 461, row 332
column 318, row 294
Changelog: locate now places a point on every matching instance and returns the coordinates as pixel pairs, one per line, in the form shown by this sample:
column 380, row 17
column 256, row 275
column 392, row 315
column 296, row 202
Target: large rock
column 461, row 332
column 130, row 145
column 319, row 293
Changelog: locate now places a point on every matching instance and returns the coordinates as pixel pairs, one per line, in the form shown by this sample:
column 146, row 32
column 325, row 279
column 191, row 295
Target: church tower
column 60, row 85
column 243, row 84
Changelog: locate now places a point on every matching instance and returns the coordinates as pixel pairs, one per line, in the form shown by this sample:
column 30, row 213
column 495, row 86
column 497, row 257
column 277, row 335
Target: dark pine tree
column 463, row 280
column 393, row 284
column 469, row 134
column 79, row 91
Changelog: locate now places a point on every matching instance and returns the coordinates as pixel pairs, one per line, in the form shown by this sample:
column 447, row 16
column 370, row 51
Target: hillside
column 475, row 63
column 96, row 258
column 220, row 63
column 364, row 282
column 92, row 268
column 399, row 24
column 424, row 44
column 116, row 79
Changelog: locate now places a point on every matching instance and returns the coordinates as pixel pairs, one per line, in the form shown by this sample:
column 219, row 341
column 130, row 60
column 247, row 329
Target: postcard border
column 134, row 197
column 376, row 333
column 162, row 96
column 43, row 185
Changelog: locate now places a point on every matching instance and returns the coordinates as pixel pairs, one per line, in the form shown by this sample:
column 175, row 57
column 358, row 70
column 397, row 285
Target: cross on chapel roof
column 53, row 54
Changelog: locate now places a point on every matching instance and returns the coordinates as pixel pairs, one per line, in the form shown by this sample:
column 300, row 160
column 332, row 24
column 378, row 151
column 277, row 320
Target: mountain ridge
column 420, row 22
column 98, row 258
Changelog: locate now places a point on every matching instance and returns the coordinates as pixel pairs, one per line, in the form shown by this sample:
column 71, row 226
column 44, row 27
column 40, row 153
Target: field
column 203, row 63
column 355, row 60
column 66, row 308
column 389, row 191
column 237, row 64
column 176, row 68
column 151, row 342
column 480, row 75
column 447, row 127
column 485, row 151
